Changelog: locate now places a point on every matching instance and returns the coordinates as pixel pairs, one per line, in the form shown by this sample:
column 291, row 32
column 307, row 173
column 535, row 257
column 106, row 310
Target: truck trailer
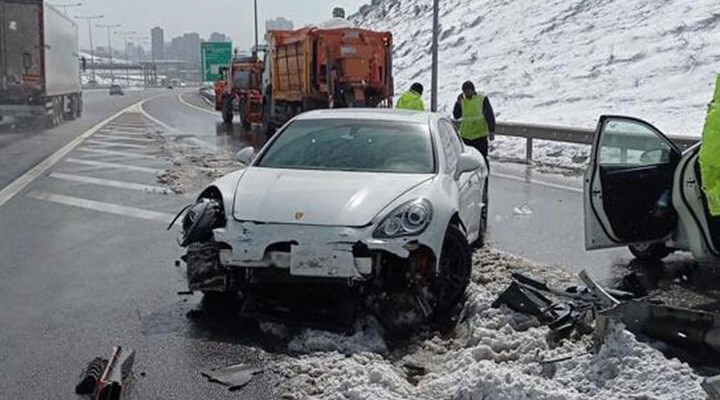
column 332, row 65
column 39, row 64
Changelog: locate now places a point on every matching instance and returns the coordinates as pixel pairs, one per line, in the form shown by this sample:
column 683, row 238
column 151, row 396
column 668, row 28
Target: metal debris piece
column 712, row 387
column 104, row 379
column 234, row 377
column 528, row 296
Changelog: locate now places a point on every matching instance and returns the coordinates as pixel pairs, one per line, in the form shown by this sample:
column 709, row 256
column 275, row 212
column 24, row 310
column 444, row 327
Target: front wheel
column 452, row 278
column 482, row 231
column 650, row 252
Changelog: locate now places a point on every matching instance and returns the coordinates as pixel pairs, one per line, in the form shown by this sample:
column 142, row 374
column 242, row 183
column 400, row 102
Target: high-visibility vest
column 473, row 125
column 710, row 154
column 410, row 100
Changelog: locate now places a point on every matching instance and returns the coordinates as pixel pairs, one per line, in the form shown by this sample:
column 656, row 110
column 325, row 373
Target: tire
column 650, row 252
column 227, row 112
column 72, row 108
column 449, row 284
column 55, row 118
column 482, row 234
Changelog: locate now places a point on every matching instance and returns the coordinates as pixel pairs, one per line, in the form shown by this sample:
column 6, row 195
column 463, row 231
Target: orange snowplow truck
column 335, row 65
column 240, row 89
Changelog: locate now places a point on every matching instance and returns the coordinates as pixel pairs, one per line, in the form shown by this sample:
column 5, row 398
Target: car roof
column 382, row 114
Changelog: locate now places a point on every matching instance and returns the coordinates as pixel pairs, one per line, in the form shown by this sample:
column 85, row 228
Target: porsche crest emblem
column 299, row 215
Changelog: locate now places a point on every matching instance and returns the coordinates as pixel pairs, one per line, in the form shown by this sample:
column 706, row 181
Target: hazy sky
column 232, row 17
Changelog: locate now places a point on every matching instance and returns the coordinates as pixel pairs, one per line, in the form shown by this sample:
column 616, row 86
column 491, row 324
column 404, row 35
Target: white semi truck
column 39, row 64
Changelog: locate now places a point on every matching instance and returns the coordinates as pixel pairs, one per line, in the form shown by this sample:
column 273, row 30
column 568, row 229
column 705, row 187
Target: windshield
column 359, row 145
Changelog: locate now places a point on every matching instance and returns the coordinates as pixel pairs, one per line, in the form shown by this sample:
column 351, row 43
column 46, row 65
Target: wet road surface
column 87, row 263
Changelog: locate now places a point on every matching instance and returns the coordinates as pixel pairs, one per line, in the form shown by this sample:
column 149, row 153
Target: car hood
column 333, row 198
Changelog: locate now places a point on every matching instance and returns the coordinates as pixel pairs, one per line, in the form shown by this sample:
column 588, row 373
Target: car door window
column 631, row 143
column 450, row 144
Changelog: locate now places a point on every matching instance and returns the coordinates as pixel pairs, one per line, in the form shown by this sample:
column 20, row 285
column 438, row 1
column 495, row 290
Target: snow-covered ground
column 562, row 62
column 495, row 354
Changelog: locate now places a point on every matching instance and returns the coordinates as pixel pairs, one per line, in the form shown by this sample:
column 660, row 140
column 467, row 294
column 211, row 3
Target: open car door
column 628, row 184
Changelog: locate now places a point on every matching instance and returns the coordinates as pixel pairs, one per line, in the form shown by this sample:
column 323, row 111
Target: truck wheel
column 227, row 113
column 72, row 112
column 55, row 117
column 449, row 284
column 650, row 252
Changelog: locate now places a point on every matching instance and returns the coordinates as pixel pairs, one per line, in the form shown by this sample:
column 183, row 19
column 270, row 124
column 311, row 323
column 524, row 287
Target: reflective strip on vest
column 710, row 154
column 473, row 124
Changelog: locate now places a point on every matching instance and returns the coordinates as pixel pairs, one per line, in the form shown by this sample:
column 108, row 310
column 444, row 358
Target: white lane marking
column 102, row 206
column 9, row 191
column 155, row 120
column 118, row 138
column 538, row 182
column 116, row 153
column 104, row 143
column 114, row 165
column 110, row 183
column 205, row 110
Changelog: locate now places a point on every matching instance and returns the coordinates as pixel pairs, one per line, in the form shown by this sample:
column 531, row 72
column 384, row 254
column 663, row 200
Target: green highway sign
column 214, row 55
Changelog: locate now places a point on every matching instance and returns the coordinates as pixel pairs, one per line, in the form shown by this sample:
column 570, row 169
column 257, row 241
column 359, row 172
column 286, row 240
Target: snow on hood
column 336, row 23
column 333, row 198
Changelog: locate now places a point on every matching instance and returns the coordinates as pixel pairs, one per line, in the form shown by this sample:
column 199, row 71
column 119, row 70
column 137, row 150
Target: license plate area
column 321, row 262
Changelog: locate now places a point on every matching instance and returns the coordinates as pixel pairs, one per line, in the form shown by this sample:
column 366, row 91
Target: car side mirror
column 467, row 162
column 245, row 155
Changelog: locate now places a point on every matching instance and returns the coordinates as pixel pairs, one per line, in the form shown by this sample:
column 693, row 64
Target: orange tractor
column 240, row 89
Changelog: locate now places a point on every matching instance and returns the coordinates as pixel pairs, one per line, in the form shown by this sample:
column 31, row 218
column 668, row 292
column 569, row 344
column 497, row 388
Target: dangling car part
column 386, row 202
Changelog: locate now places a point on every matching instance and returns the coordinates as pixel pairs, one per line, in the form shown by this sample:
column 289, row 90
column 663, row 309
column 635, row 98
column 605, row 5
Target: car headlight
column 410, row 218
column 200, row 219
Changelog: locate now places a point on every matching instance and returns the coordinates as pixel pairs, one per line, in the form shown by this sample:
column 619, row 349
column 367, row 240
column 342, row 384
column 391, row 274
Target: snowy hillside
column 563, row 62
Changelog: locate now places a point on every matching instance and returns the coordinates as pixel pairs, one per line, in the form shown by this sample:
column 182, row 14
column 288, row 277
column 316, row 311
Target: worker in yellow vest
column 412, row 99
column 477, row 119
column 710, row 156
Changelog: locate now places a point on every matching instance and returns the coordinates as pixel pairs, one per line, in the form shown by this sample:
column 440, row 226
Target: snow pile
column 195, row 164
column 494, row 354
column 562, row 62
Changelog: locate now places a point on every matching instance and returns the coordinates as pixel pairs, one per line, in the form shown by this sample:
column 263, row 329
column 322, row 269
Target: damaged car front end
column 394, row 242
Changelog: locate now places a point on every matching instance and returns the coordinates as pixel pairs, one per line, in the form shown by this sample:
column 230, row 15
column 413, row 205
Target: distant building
column 219, row 37
column 279, row 24
column 157, row 37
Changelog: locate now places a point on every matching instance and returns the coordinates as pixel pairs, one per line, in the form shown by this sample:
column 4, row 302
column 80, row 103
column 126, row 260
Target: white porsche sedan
column 383, row 202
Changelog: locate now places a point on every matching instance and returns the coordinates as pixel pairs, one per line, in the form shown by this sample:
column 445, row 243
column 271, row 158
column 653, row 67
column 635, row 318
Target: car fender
column 225, row 186
column 441, row 191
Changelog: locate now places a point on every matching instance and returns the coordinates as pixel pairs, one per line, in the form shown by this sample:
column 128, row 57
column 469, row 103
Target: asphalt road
column 87, row 263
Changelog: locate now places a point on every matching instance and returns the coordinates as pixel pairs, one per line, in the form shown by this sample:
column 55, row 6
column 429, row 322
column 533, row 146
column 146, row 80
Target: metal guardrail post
column 528, row 150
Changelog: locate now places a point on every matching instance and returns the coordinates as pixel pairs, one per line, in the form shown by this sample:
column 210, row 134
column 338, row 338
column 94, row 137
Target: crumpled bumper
column 306, row 250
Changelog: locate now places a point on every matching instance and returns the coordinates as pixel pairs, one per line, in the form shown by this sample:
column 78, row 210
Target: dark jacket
column 487, row 112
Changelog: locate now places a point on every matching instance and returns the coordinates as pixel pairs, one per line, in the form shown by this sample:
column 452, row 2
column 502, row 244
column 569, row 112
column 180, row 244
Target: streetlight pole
column 436, row 34
column 66, row 6
column 127, row 58
column 92, row 50
column 109, row 36
column 256, row 28
column 141, row 41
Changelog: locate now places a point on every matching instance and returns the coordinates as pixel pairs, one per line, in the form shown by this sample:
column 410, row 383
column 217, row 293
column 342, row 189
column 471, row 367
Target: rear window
column 358, row 145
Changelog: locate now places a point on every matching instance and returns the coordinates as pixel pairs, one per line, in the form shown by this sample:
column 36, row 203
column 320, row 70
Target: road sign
column 214, row 55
